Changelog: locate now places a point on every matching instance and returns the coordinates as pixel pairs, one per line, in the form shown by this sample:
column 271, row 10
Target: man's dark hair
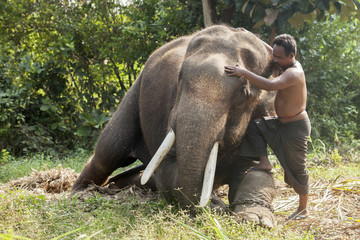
column 287, row 42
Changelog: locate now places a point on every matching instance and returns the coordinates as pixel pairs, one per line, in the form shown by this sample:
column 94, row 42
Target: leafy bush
column 65, row 66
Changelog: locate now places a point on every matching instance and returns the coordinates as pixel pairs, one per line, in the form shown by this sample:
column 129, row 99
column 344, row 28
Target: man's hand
column 242, row 29
column 236, row 70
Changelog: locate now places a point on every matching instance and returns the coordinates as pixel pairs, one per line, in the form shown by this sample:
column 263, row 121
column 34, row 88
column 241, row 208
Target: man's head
column 284, row 50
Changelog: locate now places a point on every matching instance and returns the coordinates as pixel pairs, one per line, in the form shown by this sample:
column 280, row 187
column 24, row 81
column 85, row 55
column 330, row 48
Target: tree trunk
column 272, row 36
column 209, row 12
column 227, row 14
column 116, row 70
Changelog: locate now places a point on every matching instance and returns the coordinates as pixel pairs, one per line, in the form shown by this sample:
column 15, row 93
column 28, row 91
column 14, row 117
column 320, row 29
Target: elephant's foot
column 133, row 179
column 256, row 214
column 217, row 205
column 80, row 184
column 91, row 174
column 251, row 199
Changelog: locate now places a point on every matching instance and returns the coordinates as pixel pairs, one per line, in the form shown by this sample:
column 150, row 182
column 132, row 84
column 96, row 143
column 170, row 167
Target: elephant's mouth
column 210, row 168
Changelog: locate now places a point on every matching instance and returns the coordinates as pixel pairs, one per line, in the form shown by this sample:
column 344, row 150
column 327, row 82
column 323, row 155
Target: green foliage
column 335, row 156
column 280, row 13
column 65, row 66
column 4, row 157
column 318, row 146
column 91, row 121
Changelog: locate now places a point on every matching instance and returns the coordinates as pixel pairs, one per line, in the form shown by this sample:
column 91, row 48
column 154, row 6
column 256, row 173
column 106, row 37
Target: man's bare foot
column 299, row 215
column 264, row 164
column 264, row 167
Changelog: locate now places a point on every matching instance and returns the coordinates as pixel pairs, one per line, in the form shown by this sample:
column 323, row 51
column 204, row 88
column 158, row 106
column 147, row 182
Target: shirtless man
column 288, row 133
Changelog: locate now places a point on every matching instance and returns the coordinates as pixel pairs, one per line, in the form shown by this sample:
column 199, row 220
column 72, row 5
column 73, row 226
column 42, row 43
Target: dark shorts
column 288, row 142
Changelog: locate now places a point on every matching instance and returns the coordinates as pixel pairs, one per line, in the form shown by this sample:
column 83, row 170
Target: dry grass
column 334, row 205
column 56, row 180
column 334, row 209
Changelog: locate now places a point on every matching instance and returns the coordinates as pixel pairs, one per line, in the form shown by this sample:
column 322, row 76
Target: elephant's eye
column 180, row 75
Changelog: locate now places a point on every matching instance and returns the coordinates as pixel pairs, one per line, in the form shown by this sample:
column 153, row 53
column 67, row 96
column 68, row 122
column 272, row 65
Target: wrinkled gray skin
column 183, row 86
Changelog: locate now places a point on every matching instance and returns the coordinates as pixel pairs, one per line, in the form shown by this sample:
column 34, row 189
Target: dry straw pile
column 56, row 180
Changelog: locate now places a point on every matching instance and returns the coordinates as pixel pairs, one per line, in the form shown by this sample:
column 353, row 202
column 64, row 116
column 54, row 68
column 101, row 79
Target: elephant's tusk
column 209, row 176
column 158, row 156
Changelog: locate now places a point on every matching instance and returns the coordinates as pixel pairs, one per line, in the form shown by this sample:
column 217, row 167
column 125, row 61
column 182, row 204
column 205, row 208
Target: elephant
column 182, row 109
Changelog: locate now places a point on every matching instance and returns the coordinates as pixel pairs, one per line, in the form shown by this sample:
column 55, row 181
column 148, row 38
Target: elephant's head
column 212, row 110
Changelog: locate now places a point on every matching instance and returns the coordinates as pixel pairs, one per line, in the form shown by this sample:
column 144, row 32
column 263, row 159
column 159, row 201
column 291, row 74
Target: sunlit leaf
column 345, row 13
column 271, row 15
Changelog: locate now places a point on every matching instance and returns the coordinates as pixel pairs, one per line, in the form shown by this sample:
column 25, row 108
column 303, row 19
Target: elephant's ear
column 268, row 48
column 266, row 106
column 273, row 69
column 249, row 58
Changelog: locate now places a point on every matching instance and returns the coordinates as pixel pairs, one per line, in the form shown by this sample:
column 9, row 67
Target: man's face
column 279, row 56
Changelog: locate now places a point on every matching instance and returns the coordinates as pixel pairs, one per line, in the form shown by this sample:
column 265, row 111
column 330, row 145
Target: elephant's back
column 174, row 47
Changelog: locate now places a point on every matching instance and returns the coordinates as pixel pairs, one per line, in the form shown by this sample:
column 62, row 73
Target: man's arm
column 281, row 82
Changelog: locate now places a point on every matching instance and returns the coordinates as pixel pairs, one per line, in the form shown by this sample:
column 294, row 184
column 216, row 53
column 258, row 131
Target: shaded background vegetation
column 65, row 65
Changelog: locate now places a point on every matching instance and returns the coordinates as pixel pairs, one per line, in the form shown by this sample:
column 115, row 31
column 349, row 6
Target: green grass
column 30, row 215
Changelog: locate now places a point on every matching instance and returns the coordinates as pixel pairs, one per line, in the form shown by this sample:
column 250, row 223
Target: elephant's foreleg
column 90, row 174
column 118, row 145
column 251, row 198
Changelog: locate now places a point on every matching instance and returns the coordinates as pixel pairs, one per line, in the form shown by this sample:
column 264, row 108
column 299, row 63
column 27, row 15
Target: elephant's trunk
column 199, row 130
column 209, row 170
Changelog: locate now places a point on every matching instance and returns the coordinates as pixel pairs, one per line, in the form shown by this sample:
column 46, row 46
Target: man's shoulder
column 294, row 73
